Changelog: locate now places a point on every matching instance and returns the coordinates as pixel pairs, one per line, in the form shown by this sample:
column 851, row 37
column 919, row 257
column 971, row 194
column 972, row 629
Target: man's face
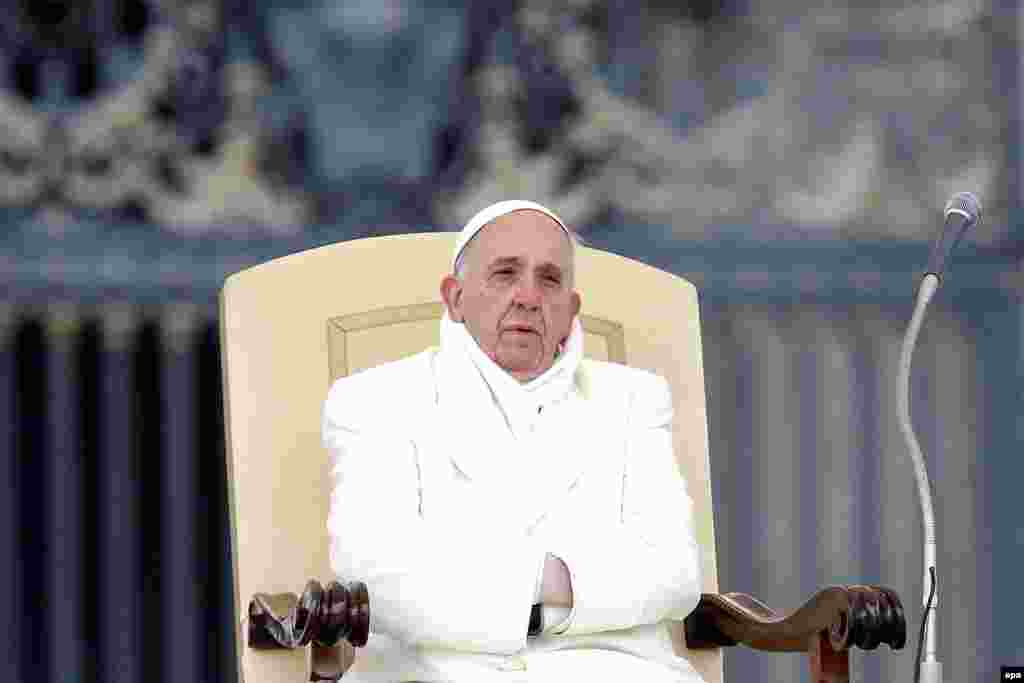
column 515, row 297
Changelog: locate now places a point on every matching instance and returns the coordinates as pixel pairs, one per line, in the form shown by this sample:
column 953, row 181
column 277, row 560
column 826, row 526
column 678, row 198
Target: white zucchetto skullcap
column 485, row 216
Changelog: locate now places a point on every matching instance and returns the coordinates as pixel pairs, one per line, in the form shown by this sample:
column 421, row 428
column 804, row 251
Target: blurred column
column 63, row 604
column 120, row 586
column 10, row 560
column 840, row 468
column 833, row 464
column 948, row 356
column 216, row 569
column 725, row 368
column 183, row 612
column 1001, row 358
column 774, row 463
column 1009, row 523
column 730, row 442
column 866, row 462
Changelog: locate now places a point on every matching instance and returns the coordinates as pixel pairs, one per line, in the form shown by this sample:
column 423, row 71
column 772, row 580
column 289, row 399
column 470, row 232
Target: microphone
column 962, row 212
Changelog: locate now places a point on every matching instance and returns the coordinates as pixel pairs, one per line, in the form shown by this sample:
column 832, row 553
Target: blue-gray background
column 791, row 161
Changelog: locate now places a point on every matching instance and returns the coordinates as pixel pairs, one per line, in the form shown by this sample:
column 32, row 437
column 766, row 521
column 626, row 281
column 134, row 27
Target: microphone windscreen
column 964, row 203
column 962, row 212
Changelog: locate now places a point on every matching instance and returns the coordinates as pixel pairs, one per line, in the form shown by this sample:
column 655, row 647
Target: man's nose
column 527, row 294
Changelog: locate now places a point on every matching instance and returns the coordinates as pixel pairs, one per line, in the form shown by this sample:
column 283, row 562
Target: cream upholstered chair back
column 291, row 326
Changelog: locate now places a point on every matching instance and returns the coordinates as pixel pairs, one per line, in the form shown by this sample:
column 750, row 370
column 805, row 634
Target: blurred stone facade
column 129, row 110
column 839, row 122
column 773, row 119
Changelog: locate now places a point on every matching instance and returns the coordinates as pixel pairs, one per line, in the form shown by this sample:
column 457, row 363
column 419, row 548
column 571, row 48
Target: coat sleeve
column 647, row 567
column 427, row 585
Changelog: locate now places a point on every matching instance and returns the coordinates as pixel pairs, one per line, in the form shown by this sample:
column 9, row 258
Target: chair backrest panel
column 291, row 326
column 363, row 340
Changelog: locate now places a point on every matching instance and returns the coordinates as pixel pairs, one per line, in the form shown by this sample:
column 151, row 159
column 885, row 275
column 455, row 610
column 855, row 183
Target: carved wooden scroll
column 324, row 619
column 836, row 619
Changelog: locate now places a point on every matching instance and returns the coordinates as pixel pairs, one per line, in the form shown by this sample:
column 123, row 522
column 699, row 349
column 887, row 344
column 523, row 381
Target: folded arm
column 474, row 591
column 647, row 567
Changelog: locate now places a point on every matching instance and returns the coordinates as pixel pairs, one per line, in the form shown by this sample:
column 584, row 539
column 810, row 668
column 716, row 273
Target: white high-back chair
column 291, row 326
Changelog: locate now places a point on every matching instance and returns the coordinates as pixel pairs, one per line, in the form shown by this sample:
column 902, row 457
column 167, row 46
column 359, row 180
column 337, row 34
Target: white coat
column 449, row 524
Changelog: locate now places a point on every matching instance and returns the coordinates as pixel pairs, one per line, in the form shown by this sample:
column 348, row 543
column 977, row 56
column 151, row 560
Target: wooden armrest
column 330, row 621
column 852, row 616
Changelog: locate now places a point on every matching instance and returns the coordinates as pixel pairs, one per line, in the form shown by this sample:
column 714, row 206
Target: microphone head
column 965, row 204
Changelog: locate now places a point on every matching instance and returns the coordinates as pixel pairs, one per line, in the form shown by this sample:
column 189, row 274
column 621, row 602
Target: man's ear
column 576, row 302
column 451, row 292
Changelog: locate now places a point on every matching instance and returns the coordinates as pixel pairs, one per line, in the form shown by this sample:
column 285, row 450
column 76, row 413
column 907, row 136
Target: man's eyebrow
column 551, row 267
column 547, row 266
column 505, row 261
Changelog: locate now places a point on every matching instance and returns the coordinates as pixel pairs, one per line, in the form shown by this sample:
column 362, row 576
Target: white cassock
column 451, row 482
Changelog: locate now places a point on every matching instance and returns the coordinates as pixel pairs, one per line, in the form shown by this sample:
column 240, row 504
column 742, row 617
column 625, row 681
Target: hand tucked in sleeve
column 647, row 567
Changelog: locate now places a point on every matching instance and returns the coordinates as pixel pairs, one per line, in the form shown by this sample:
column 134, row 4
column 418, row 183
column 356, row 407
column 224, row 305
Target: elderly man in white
column 515, row 510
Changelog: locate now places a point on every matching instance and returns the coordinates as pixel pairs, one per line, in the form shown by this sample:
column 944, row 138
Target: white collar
column 518, row 402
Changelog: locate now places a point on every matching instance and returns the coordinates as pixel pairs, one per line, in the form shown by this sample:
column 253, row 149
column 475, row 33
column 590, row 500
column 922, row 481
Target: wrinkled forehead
column 518, row 226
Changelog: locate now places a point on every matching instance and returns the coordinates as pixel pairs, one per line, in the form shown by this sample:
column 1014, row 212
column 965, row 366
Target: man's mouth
column 521, row 328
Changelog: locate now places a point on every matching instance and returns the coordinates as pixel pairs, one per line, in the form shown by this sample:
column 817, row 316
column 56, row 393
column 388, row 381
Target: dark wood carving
column 321, row 618
column 836, row 619
column 827, row 665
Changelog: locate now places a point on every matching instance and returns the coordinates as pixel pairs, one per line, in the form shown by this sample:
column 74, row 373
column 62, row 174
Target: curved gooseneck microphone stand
column 931, row 667
column 961, row 212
